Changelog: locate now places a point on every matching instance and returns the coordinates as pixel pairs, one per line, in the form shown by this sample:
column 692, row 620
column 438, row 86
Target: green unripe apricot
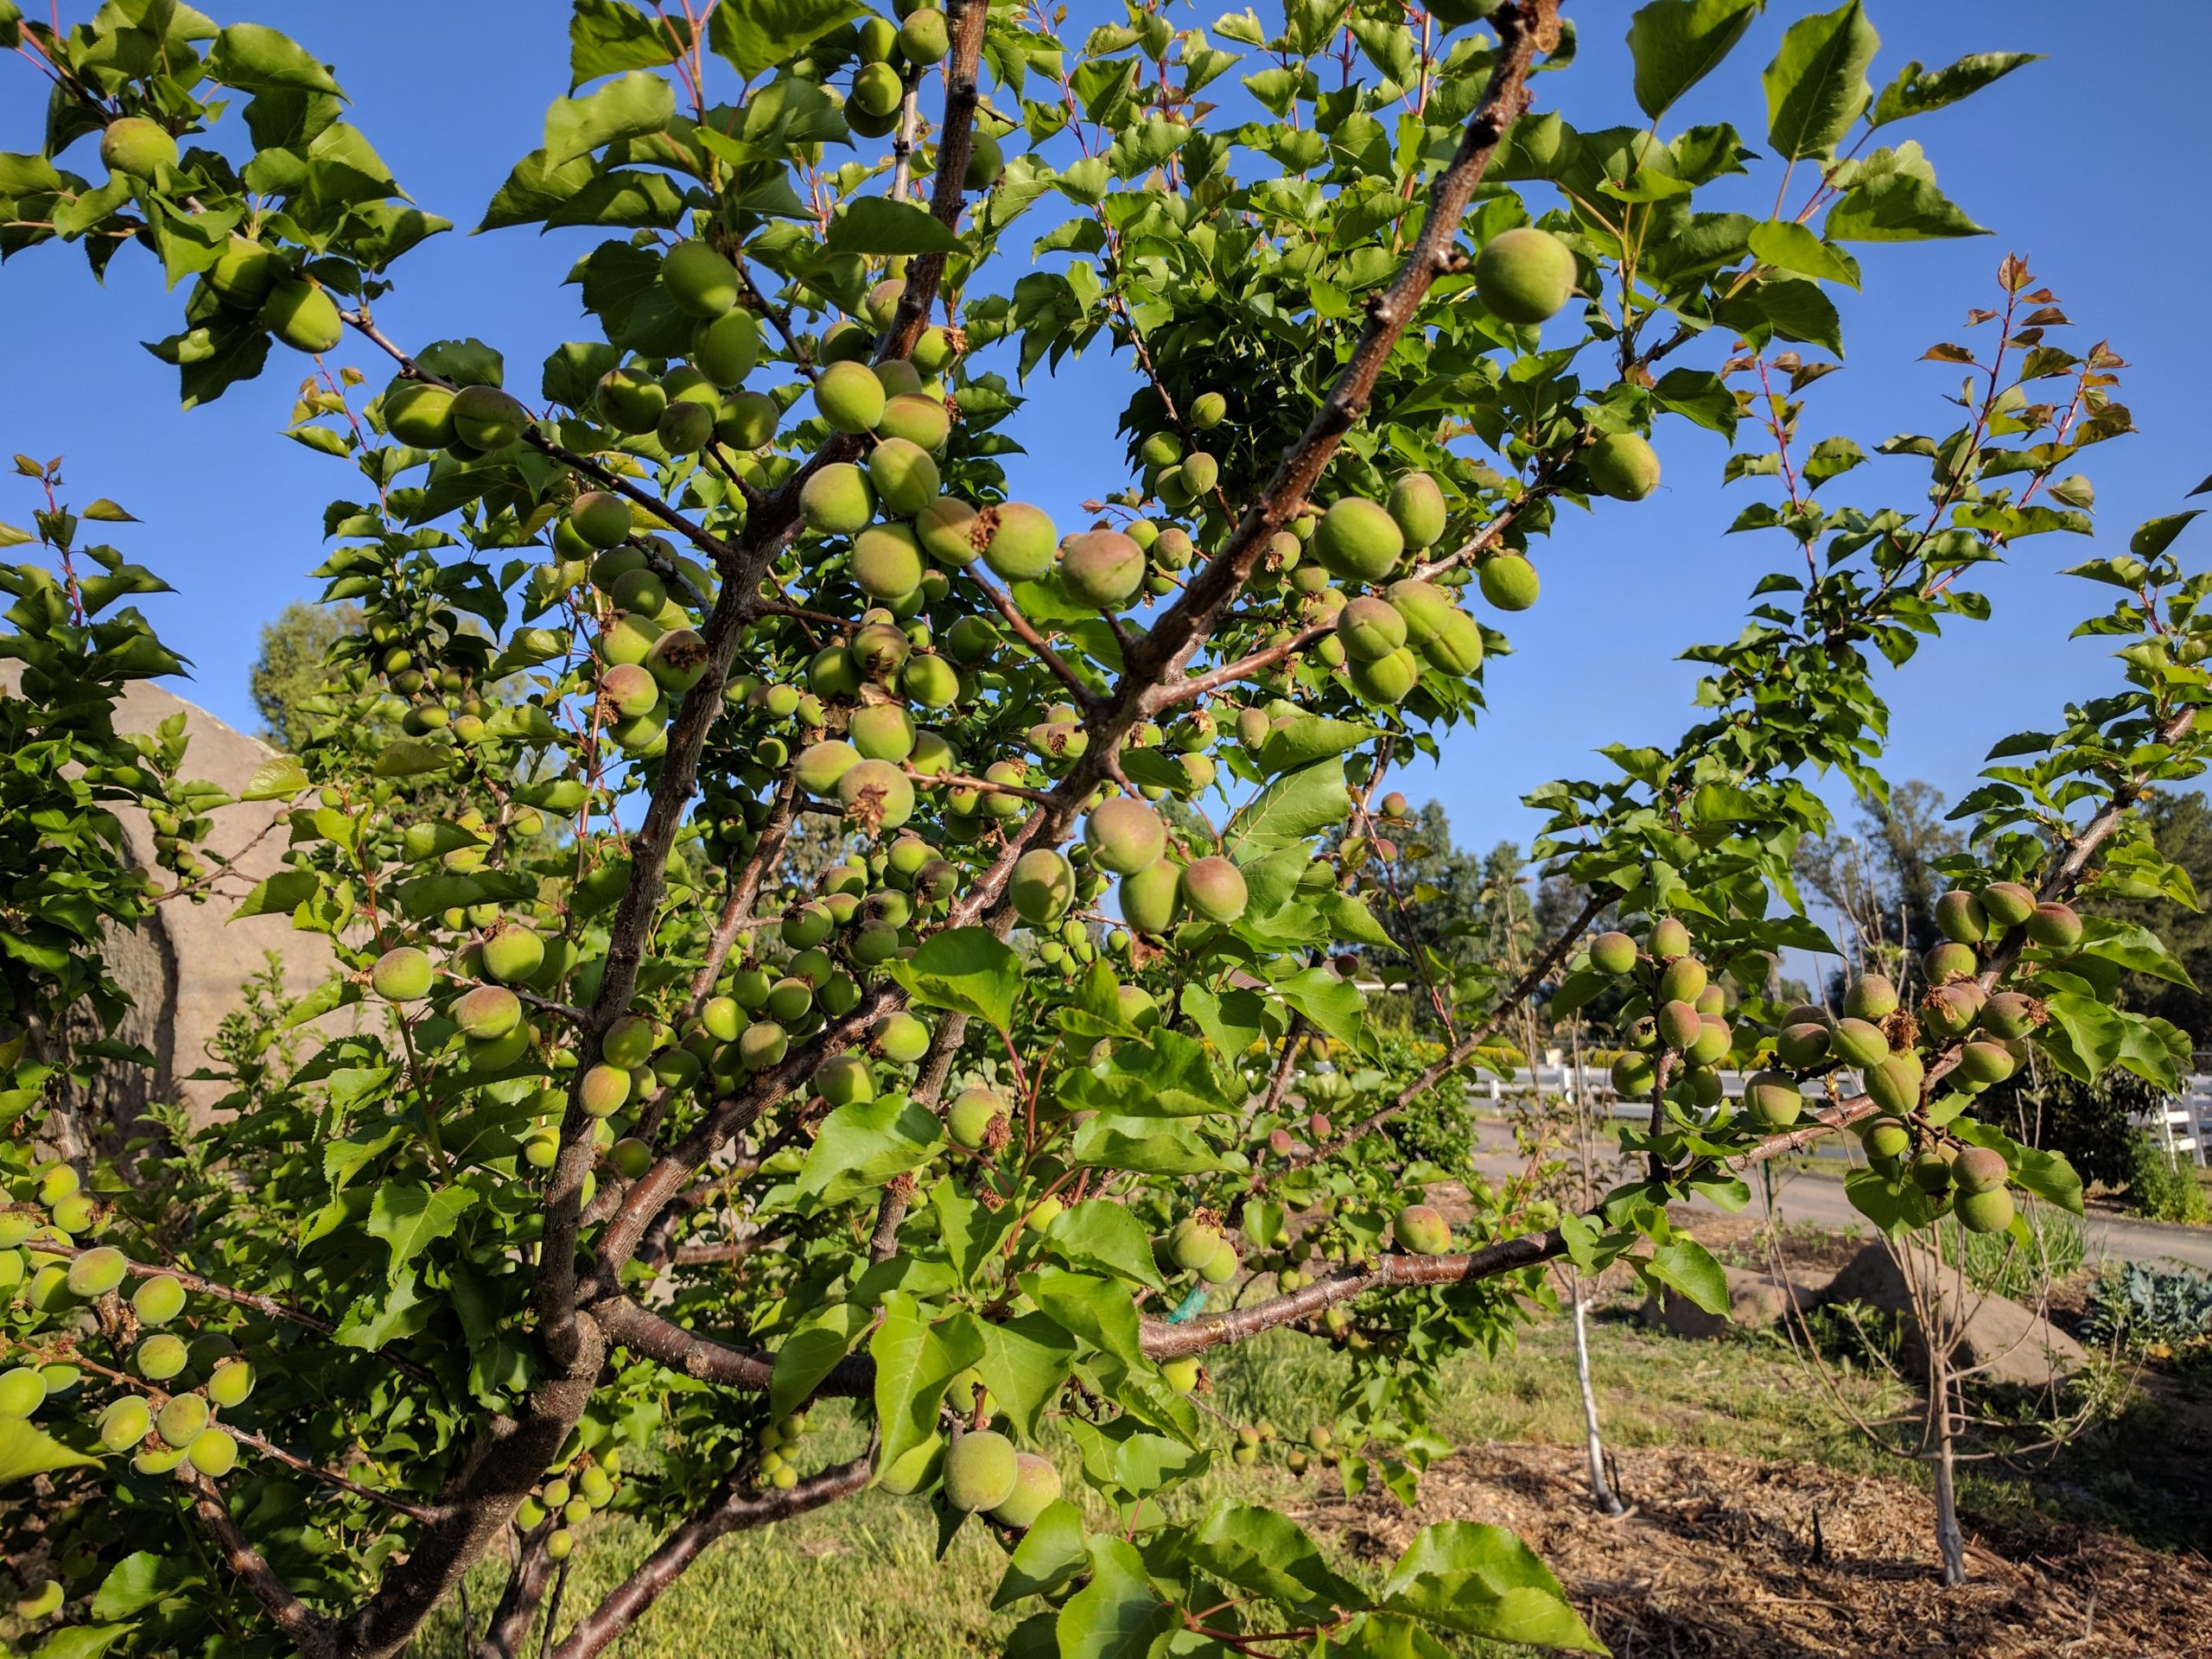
column 244, row 274
column 1193, row 1243
column 1680, row 1026
column 1885, row 1140
column 231, row 1382
column 981, row 1471
column 1042, row 885
column 1713, row 1042
column 487, row 1013
column 1221, row 1266
column 1102, row 568
column 1509, row 581
column 213, row 1452
column 684, row 426
column 2055, row 927
column 2007, row 903
column 727, row 348
column 849, row 397
column 747, row 421
column 968, row 1119
column 1214, row 888
column 1525, row 275
column 844, row 1080
column 401, row 974
column 1036, row 1481
column 1803, row 1045
column 837, row 499
column 1622, row 465
column 986, row 162
column 488, row 418
column 1870, row 996
column 181, row 1421
column 305, row 318
column 1930, row 1171
column 630, row 687
column 1370, row 628
column 1422, row 1230
column 1947, row 962
column 883, row 731
column 1984, row 1212
column 916, row 418
column 1980, row 1063
column 137, row 147
column 1124, row 836
column 902, row 1039
column 1894, row 1085
column 1683, row 980
column 1180, row 1374
column 1418, row 506
column 1633, row 1076
column 1961, row 916
column 876, row 793
column 1358, row 541
column 628, row 1042
column 22, row 1391
column 905, row 477
column 1613, row 953
column 2009, row 1015
column 97, row 1272
column 1773, row 1100
column 630, row 401
column 924, row 40
column 601, row 520
column 887, row 562
column 930, row 681
column 1152, row 897
column 1981, row 1169
column 603, row 1091
column 161, row 1357
column 698, row 280
column 514, row 955
column 418, row 413
column 762, row 1044
column 1388, row 679
column 124, row 1423
column 1860, row 1043
column 158, row 1299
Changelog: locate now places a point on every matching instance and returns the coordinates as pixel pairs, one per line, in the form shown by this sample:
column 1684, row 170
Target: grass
column 858, row 1581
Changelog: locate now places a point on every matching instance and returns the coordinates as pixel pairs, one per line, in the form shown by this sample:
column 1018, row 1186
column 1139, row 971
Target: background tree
column 295, row 665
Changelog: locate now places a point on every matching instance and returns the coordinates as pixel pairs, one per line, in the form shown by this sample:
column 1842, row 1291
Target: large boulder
column 1998, row 1340
column 1756, row 1301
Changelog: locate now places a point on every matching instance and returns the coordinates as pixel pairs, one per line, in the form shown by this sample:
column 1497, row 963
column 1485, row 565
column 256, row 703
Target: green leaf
column 1894, row 1206
column 1787, row 245
column 410, row 1218
column 81, row 1641
column 861, row 1146
column 280, row 895
column 2094, row 1034
column 1916, row 93
column 1816, row 87
column 1897, row 207
column 406, row 757
column 914, row 1361
column 26, row 1451
column 629, row 106
column 2134, row 946
column 256, row 58
column 811, row 1352
column 758, row 34
column 1308, row 738
column 138, row 1581
column 1483, row 1580
column 607, row 36
column 1051, row 1554
column 1270, row 1555
column 1677, row 43
column 1024, row 1363
column 278, row 778
column 1101, row 1233
column 2154, row 536
column 108, row 513
column 879, row 225
column 966, row 969
column 1118, row 1615
column 1682, row 1264
column 1287, row 811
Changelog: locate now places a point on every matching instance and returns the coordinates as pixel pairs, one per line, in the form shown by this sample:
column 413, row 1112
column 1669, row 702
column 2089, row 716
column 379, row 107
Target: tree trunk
column 1950, row 1541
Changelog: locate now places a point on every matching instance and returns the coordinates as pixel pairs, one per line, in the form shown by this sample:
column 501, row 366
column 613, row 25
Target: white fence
column 2185, row 1122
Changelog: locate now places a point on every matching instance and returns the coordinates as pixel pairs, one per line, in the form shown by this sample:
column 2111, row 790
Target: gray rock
column 1756, row 1301
column 1997, row 1339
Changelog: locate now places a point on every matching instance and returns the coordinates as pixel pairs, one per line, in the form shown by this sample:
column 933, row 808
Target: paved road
column 1815, row 1196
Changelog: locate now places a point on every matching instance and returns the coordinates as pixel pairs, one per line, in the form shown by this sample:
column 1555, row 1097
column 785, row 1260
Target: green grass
column 858, row 1581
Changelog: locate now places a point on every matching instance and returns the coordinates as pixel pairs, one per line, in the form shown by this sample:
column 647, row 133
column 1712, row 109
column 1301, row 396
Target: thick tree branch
column 309, row 1630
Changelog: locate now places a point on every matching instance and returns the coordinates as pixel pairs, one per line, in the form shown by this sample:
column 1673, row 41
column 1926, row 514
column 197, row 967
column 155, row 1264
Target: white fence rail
column 2185, row 1124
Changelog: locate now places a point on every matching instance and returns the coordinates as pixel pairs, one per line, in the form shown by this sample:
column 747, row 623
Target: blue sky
column 2077, row 162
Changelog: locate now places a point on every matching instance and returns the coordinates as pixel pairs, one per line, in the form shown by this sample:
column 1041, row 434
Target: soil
column 1724, row 1557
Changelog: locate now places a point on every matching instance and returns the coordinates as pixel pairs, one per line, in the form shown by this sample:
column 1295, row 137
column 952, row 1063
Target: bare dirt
column 1724, row 1557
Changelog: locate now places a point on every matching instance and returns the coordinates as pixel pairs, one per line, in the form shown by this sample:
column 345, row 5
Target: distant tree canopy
column 294, row 666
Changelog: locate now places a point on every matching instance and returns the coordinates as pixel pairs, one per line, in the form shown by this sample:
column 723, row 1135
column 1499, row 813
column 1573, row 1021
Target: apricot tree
column 628, row 1137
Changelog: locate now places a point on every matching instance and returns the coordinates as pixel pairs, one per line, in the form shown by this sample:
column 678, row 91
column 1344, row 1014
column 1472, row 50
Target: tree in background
column 1882, row 882
column 295, row 665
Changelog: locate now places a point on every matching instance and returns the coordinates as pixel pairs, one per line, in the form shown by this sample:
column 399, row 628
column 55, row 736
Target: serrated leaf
column 410, row 1218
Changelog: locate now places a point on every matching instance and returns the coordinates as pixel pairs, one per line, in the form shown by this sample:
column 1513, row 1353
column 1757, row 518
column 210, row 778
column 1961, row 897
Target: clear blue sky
column 2080, row 161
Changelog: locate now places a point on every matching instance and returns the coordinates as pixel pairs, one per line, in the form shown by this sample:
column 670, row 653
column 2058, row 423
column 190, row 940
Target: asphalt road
column 1816, row 1197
